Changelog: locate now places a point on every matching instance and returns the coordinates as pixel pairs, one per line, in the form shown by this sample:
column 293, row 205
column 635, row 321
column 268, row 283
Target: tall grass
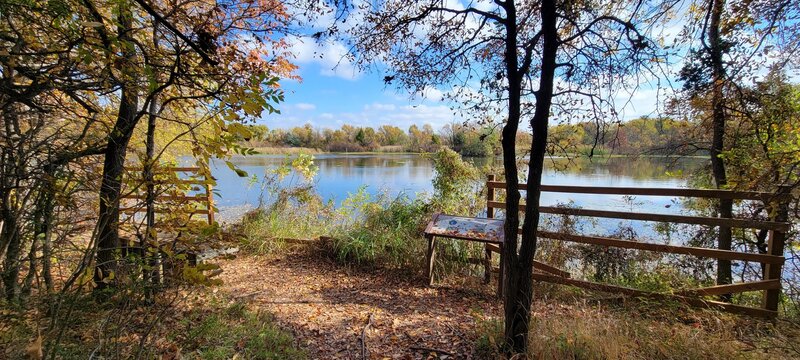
column 581, row 331
column 383, row 231
column 289, row 207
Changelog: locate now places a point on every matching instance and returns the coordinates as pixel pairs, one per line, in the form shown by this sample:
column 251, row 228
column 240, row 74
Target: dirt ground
column 330, row 308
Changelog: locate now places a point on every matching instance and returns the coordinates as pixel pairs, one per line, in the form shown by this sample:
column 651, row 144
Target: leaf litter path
column 329, row 308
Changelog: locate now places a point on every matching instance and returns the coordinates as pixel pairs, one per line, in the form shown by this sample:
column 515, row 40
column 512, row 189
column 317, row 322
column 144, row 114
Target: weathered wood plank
column 672, row 249
column 167, row 169
column 679, row 192
column 430, row 257
column 746, row 310
column 732, row 288
column 161, row 211
column 200, row 198
column 683, row 219
column 538, row 265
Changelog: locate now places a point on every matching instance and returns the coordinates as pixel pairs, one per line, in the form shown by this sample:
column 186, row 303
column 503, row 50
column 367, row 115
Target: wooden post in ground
column 501, row 275
column 487, row 265
column 431, row 256
column 776, row 246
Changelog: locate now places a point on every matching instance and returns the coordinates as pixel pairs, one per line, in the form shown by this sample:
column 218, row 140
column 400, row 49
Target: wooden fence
column 177, row 197
column 772, row 261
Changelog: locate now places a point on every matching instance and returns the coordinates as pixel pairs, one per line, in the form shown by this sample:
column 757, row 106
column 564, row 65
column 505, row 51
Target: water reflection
column 409, row 174
column 338, row 175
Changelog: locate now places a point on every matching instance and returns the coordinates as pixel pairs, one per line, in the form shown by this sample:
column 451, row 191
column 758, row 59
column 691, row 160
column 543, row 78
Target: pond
column 343, row 174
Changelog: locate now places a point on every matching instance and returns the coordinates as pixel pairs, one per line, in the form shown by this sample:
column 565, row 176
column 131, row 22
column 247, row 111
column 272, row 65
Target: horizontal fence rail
column 166, row 169
column 681, row 219
column 205, row 200
column 772, row 261
column 680, row 192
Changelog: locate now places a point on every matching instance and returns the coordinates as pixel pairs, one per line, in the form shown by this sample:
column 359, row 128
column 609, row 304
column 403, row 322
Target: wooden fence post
column 776, row 244
column 489, row 196
column 210, row 200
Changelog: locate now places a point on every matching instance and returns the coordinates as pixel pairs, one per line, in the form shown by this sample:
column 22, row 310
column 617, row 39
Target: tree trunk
column 725, row 209
column 10, row 240
column 114, row 162
column 43, row 222
column 149, row 244
column 515, row 326
column 519, row 268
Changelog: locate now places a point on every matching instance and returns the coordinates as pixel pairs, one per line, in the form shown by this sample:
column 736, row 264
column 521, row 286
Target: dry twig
column 431, row 350
column 364, row 351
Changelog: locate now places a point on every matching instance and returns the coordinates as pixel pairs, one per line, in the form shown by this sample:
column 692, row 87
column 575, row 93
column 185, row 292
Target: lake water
column 342, row 174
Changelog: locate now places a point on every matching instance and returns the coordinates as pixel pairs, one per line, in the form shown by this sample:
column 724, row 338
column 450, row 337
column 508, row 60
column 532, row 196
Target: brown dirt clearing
column 328, row 306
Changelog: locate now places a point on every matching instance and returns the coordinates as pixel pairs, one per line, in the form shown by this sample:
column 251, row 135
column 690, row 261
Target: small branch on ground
column 431, row 350
column 364, row 350
column 214, row 273
column 456, row 332
column 254, row 293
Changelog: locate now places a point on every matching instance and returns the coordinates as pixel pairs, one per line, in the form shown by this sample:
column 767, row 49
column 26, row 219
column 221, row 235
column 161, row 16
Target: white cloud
column 331, row 56
column 380, row 107
column 305, row 106
column 432, row 93
column 373, row 115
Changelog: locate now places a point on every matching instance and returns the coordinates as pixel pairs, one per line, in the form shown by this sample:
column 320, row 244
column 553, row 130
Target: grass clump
column 383, row 231
column 237, row 332
column 264, row 230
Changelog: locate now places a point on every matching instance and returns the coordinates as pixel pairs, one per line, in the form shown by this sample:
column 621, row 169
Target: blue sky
column 329, row 96
column 332, row 93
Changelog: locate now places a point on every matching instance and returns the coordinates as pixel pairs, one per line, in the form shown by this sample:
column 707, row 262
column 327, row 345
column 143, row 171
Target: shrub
column 383, row 231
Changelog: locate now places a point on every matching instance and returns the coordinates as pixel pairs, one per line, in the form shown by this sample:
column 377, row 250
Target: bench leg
column 501, row 275
column 487, row 265
column 431, row 256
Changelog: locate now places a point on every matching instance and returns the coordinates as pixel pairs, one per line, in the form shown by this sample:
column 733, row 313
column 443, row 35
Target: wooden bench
column 484, row 230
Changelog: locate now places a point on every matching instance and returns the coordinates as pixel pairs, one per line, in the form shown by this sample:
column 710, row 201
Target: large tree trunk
column 110, row 188
column 725, row 209
column 43, row 222
column 516, row 327
column 149, row 244
column 10, row 239
column 114, row 162
column 519, row 268
column 12, row 246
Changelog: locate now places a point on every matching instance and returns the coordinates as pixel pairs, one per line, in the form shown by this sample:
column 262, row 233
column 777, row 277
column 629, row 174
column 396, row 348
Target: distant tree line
column 645, row 135
column 467, row 140
column 641, row 136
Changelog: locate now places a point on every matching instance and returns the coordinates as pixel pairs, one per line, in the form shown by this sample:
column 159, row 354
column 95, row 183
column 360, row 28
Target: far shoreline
column 316, row 151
